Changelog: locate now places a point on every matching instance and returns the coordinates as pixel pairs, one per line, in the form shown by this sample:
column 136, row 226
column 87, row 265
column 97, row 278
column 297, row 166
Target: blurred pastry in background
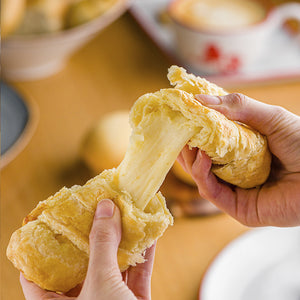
column 86, row 10
column 12, row 12
column 105, row 144
column 43, row 16
column 21, row 17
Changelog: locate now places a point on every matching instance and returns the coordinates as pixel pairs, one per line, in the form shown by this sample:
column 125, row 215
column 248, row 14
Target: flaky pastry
column 52, row 247
column 240, row 154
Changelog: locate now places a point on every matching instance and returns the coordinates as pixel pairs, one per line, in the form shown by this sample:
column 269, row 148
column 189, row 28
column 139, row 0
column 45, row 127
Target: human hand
column 276, row 202
column 104, row 279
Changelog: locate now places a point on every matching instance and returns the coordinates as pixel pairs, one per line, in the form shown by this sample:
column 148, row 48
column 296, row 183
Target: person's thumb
column 263, row 117
column 105, row 237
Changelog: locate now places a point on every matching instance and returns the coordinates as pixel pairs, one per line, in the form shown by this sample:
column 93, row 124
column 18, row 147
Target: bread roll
column 44, row 16
column 86, row 10
column 105, row 144
column 52, row 247
column 12, row 12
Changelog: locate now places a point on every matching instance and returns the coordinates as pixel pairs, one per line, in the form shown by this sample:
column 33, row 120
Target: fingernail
column 199, row 153
column 105, row 209
column 208, row 100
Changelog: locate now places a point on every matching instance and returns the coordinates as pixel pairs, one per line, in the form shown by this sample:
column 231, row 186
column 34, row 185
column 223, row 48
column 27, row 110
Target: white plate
column 280, row 61
column 263, row 264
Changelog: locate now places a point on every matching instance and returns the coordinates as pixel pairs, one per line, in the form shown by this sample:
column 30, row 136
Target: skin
column 277, row 201
column 106, row 282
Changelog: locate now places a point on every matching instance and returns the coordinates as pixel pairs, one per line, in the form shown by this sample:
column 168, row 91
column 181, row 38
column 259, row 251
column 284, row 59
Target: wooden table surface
column 118, row 66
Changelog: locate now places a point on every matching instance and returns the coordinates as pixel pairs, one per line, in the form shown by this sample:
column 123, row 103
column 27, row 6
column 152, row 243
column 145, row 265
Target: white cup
column 212, row 51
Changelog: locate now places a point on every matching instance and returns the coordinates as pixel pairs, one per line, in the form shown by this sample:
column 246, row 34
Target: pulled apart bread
column 240, row 154
column 52, row 247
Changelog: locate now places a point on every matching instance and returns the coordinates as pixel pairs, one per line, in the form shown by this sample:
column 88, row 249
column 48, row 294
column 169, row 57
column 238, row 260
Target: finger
column 125, row 276
column 105, row 237
column 181, row 160
column 34, row 292
column 262, row 117
column 74, row 292
column 188, row 157
column 139, row 277
column 209, row 186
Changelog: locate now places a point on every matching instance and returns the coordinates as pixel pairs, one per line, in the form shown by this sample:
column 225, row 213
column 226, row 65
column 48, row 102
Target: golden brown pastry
column 239, row 154
column 52, row 247
column 105, row 144
column 85, row 10
column 43, row 16
column 12, row 12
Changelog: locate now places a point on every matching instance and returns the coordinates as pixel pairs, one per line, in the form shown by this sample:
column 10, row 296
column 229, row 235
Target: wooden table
column 110, row 73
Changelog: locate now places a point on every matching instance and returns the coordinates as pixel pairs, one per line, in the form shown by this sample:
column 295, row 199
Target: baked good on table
column 30, row 17
column 105, row 143
column 43, row 16
column 85, row 10
column 52, row 246
column 12, row 12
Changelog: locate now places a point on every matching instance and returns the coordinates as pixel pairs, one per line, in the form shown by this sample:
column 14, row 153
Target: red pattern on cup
column 212, row 53
column 233, row 65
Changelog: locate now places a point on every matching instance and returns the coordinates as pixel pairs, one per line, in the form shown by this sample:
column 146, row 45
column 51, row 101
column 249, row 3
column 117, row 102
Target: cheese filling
column 154, row 146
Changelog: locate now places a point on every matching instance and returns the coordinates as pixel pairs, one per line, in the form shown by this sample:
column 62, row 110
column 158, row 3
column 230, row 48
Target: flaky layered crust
column 52, row 247
column 240, row 154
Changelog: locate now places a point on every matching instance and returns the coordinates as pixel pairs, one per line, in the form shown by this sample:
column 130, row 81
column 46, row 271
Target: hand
column 104, row 279
column 277, row 202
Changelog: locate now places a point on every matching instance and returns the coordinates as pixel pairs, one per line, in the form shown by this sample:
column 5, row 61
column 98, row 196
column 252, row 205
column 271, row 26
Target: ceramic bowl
column 34, row 57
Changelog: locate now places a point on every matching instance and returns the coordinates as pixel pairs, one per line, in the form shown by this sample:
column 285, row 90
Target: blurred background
column 71, row 70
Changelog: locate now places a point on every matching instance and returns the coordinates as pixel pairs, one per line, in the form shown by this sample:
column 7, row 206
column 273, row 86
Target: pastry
column 43, row 16
column 12, row 12
column 86, row 10
column 240, row 155
column 52, row 247
column 105, row 144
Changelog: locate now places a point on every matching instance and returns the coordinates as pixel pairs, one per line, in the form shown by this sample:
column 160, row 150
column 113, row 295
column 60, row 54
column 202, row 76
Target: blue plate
column 14, row 118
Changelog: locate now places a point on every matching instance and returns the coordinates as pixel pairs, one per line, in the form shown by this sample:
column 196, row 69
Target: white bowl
column 38, row 56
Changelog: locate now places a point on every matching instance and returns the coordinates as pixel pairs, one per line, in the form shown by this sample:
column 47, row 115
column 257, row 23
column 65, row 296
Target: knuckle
column 277, row 117
column 279, row 111
column 233, row 105
column 237, row 99
column 111, row 276
column 101, row 235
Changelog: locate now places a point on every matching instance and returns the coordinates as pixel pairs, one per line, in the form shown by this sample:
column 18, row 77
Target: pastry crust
column 240, row 154
column 12, row 12
column 52, row 247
